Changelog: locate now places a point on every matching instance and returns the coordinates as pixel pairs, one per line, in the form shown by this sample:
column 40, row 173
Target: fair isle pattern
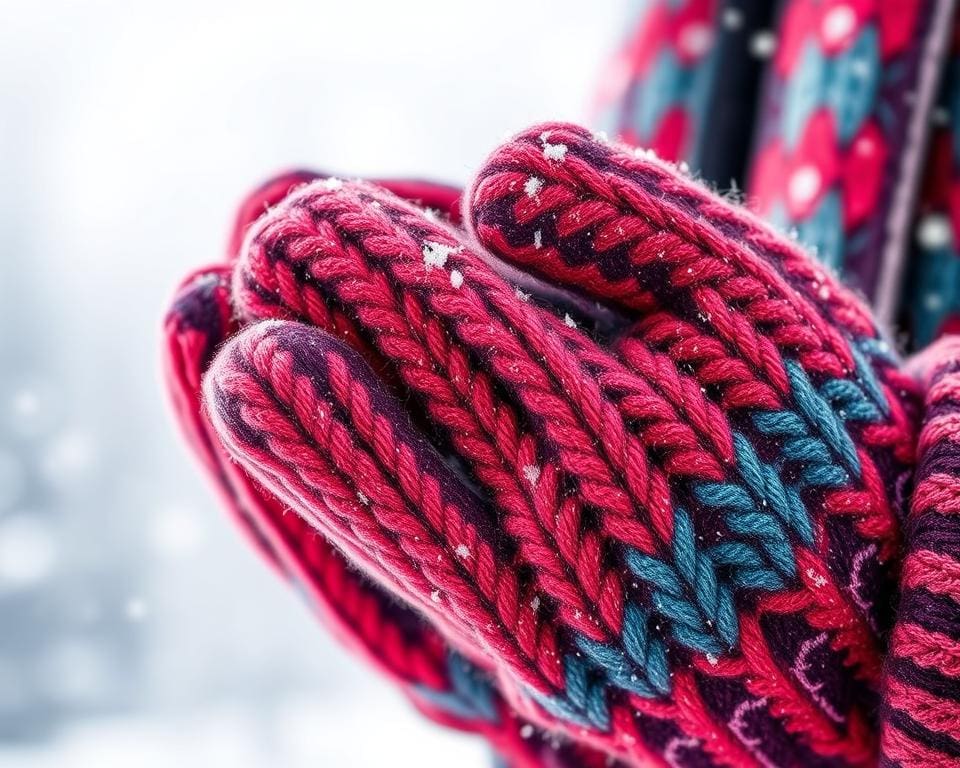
column 653, row 90
column 931, row 305
column 445, row 686
column 678, row 456
column 576, row 228
column 841, row 96
column 921, row 710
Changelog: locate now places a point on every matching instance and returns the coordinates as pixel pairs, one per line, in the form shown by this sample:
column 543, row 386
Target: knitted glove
column 661, row 515
column 394, row 639
column 921, row 704
column 822, row 111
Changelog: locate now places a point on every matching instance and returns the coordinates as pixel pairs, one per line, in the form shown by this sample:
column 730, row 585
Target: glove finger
column 443, row 199
column 274, row 395
column 198, row 322
column 445, row 686
column 364, row 252
column 442, row 202
column 629, row 230
column 743, row 308
column 199, row 319
column 303, row 413
column 394, row 639
column 738, row 357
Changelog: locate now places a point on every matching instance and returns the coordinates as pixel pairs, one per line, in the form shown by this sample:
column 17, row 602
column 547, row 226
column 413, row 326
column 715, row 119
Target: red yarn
column 408, row 651
column 607, row 525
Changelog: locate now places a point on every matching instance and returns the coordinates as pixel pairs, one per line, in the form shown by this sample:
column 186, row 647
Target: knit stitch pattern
column 654, row 88
column 836, row 126
column 921, row 707
column 445, row 686
column 664, row 523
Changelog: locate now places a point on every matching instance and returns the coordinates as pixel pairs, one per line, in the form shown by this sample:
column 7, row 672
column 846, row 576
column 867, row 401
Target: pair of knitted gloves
column 606, row 470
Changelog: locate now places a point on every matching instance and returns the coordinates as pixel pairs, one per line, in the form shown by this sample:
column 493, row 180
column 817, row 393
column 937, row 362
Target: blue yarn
column 823, row 230
column 643, row 669
column 866, row 373
column 803, row 94
column 761, row 510
column 749, row 506
column 852, row 82
column 772, row 537
column 666, row 85
column 700, row 608
column 748, row 569
column 850, row 402
column 585, row 703
column 819, row 414
column 472, row 685
column 471, row 696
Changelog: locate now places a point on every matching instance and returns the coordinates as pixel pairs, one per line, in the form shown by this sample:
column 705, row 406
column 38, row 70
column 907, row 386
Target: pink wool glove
column 651, row 491
column 395, row 640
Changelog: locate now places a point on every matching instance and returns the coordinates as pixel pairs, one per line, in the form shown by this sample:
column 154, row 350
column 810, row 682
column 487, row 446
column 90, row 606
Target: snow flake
column 838, row 23
column 695, row 39
column 532, row 186
column 732, row 18
column 555, row 152
column 569, row 321
column 436, row 254
column 456, row 278
column 933, row 232
column 805, row 184
column 463, row 551
column 532, row 473
column 363, row 498
column 538, row 239
column 763, row 44
column 816, row 578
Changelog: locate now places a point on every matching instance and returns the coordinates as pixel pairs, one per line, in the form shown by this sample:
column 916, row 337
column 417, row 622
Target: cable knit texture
column 443, row 685
column 921, row 712
column 633, row 464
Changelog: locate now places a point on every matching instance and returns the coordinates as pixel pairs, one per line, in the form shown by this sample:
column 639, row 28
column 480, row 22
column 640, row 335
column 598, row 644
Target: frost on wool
column 436, row 254
column 532, row 186
column 555, row 152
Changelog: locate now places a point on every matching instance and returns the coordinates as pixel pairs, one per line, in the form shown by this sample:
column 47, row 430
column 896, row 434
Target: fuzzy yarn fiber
column 608, row 472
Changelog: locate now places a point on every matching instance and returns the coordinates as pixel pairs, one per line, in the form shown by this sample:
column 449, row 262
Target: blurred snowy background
column 136, row 629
